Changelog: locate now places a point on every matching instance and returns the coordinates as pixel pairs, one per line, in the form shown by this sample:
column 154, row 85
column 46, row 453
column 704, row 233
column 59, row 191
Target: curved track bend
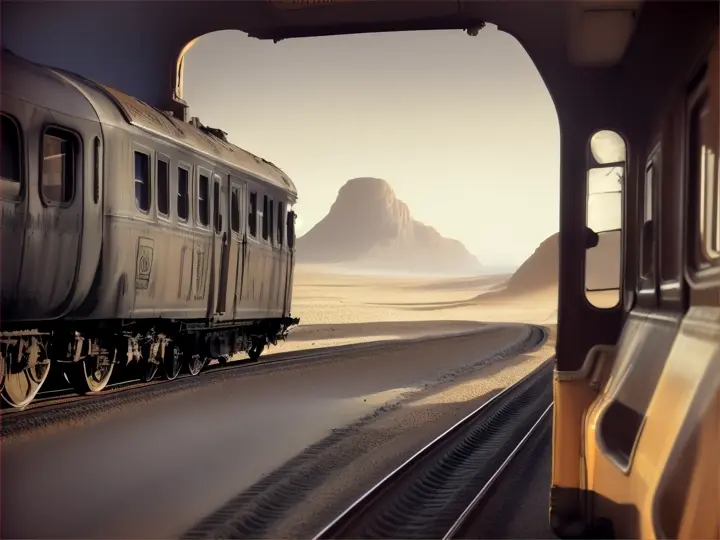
column 60, row 403
column 162, row 466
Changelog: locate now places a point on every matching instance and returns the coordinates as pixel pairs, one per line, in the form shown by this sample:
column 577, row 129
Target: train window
column 607, row 147
column 59, row 152
column 163, row 187
column 605, row 181
column 217, row 207
column 707, row 168
column 265, row 218
column 142, row 181
column 669, row 202
column 647, row 241
column 252, row 215
column 291, row 229
column 203, row 200
column 280, row 224
column 704, row 175
column 11, row 162
column 183, row 197
column 97, row 164
column 271, row 220
column 234, row 212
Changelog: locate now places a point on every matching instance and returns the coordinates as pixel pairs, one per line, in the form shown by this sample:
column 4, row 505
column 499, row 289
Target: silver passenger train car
column 130, row 236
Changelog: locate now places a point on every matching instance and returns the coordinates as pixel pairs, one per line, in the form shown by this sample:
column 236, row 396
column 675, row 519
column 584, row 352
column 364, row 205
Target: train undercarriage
column 89, row 353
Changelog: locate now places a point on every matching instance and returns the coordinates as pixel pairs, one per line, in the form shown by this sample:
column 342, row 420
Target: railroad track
column 438, row 491
column 63, row 402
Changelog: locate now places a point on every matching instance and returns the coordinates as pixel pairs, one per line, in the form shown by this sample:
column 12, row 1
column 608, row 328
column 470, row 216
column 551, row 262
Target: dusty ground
column 340, row 309
column 157, row 470
column 392, row 438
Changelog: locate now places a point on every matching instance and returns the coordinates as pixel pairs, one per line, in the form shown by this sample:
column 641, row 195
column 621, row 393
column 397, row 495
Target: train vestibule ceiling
column 62, row 34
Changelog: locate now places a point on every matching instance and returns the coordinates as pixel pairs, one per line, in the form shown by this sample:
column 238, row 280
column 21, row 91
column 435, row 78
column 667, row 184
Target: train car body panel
column 128, row 233
column 645, row 439
column 648, row 406
column 56, row 219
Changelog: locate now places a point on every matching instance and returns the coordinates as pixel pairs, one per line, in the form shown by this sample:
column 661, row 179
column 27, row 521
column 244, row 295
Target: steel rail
column 447, row 437
column 462, row 520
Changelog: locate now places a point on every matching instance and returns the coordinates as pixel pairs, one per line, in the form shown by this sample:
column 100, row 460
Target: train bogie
column 130, row 237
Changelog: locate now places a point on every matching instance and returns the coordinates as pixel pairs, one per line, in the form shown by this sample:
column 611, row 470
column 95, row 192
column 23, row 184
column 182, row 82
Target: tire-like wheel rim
column 2, row 372
column 23, row 383
column 195, row 364
column 172, row 362
column 149, row 370
column 255, row 351
column 90, row 375
column 148, row 366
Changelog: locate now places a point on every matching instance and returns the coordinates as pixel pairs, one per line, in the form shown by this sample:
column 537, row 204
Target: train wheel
column 2, row 370
column 195, row 364
column 172, row 363
column 255, row 351
column 90, row 375
column 150, row 362
column 25, row 376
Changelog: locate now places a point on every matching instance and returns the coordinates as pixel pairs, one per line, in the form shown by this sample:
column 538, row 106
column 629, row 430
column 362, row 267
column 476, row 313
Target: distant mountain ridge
column 368, row 227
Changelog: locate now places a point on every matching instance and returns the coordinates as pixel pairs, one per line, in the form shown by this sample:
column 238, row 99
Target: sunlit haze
column 462, row 128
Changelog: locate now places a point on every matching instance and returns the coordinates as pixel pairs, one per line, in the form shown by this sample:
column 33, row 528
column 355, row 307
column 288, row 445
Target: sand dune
column 367, row 227
column 541, row 269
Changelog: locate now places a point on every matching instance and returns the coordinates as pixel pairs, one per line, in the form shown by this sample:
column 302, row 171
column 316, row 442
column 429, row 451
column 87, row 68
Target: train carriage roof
column 73, row 94
column 40, row 86
column 142, row 115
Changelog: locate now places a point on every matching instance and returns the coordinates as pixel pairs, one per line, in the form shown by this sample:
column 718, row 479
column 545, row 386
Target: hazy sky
column 462, row 128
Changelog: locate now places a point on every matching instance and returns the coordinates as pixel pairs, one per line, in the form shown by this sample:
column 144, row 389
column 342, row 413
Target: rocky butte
column 369, row 228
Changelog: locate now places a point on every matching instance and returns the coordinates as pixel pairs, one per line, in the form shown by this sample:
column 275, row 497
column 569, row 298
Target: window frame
column 590, row 164
column 218, row 216
column 647, row 286
column 271, row 221
column 235, row 217
column 21, row 161
column 139, row 148
column 78, row 171
column 159, row 156
column 264, row 232
column 280, row 218
column 290, row 225
column 97, row 167
column 200, row 171
column 188, row 168
column 700, row 270
column 252, row 229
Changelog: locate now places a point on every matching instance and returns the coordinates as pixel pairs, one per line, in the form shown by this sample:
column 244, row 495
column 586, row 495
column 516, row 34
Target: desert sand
column 354, row 306
column 369, row 272
column 205, row 445
column 340, row 309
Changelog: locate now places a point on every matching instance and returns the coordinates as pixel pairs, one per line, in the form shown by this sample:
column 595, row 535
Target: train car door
column 220, row 247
